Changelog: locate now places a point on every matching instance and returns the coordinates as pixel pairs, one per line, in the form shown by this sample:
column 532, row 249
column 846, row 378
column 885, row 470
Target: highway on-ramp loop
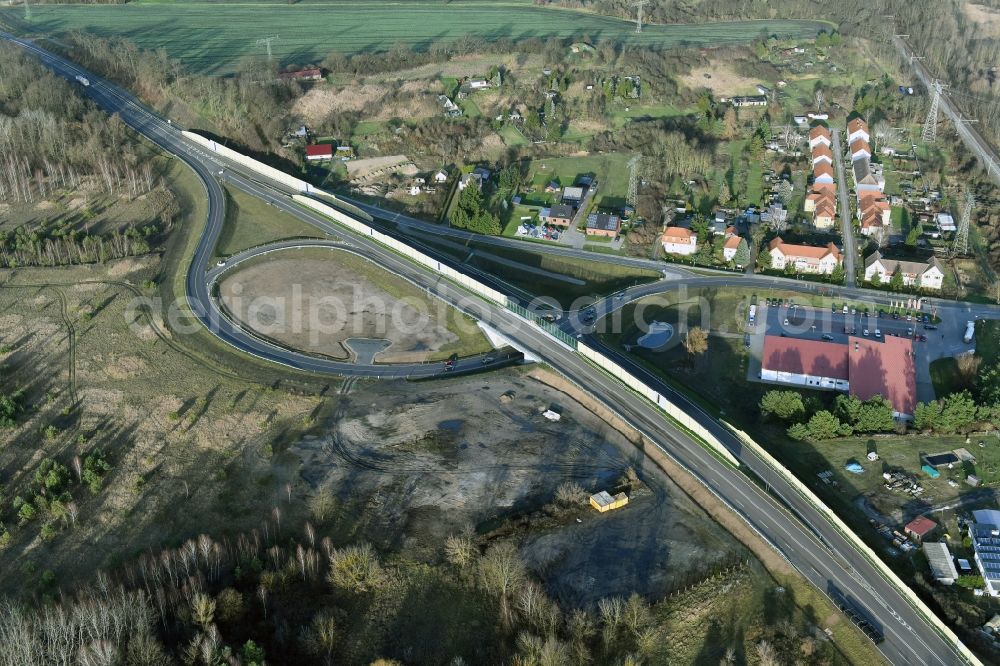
column 789, row 521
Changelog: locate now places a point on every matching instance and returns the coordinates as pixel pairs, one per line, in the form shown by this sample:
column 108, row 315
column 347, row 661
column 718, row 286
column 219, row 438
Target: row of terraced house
column 822, row 198
column 874, row 211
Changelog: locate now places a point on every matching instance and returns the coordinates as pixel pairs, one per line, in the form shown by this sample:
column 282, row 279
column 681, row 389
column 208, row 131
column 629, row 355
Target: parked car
column 930, row 327
column 827, row 336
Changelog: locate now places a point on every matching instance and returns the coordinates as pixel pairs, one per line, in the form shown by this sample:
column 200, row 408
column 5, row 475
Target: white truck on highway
column 970, row 331
column 82, row 80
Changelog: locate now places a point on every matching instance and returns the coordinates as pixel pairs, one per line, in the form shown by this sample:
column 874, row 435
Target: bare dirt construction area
column 413, row 100
column 475, row 454
column 316, row 104
column 720, row 79
column 316, row 299
column 374, row 167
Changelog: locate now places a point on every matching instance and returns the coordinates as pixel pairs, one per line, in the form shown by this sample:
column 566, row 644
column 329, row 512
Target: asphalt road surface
column 792, row 525
column 846, row 224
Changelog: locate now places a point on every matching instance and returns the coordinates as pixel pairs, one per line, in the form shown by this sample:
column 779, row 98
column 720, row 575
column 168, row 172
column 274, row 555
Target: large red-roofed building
column 884, row 368
column 811, row 363
column 863, row 367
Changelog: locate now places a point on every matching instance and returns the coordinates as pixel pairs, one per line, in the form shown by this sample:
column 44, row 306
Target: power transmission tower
column 930, row 125
column 961, row 244
column 266, row 41
column 638, row 20
column 632, row 198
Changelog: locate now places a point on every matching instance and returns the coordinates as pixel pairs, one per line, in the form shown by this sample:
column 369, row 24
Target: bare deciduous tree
column 202, row 609
column 355, row 568
column 460, row 551
column 570, row 494
column 501, row 573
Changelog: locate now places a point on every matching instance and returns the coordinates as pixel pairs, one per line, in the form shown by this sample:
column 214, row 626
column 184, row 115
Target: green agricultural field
column 211, row 37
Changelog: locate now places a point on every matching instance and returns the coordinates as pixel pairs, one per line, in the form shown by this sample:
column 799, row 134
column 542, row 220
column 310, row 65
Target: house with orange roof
column 731, row 246
column 823, row 173
column 820, row 135
column 874, row 212
column 819, row 192
column 804, row 258
column 857, row 129
column 678, row 240
column 859, row 149
column 825, row 216
column 822, row 153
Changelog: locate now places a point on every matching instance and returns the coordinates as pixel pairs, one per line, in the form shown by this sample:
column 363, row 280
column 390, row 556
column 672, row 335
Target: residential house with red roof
column 678, row 240
column 822, row 153
column 820, row 135
column 319, row 151
column 857, row 129
column 731, row 246
column 823, row 173
column 804, row 258
column 859, row 149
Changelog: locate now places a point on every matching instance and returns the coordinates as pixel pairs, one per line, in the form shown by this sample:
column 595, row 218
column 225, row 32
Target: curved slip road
column 795, row 527
column 199, row 280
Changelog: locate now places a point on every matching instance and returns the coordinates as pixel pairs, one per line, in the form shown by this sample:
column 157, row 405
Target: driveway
column 846, row 224
column 573, row 236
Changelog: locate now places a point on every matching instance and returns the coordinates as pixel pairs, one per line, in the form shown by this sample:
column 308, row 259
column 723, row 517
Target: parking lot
column 934, row 339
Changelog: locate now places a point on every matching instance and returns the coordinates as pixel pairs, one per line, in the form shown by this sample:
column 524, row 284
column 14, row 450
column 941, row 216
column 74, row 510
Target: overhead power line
column 638, row 19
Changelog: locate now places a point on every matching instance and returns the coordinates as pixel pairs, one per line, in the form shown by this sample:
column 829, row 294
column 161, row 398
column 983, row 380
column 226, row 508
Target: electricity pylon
column 632, row 198
column 930, row 125
column 961, row 244
column 638, row 20
column 266, row 41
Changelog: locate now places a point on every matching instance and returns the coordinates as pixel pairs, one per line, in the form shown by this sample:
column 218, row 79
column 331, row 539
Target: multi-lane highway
column 794, row 526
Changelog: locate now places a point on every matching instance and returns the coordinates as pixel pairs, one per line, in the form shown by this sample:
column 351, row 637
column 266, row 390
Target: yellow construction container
column 603, row 501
